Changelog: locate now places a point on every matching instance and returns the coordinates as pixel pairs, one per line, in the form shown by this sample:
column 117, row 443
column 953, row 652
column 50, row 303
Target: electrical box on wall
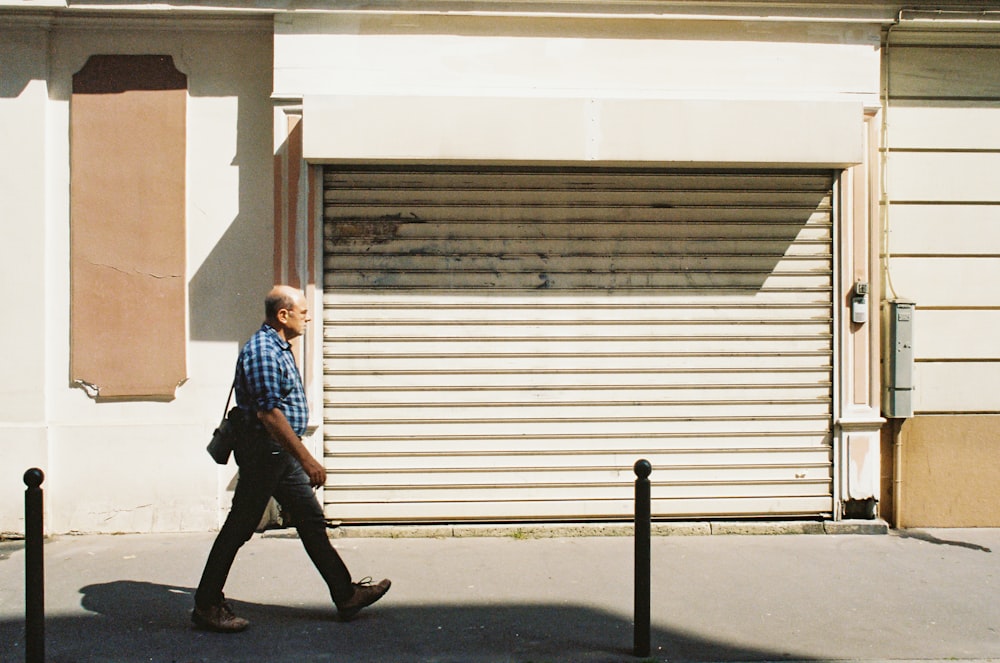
column 897, row 359
column 859, row 303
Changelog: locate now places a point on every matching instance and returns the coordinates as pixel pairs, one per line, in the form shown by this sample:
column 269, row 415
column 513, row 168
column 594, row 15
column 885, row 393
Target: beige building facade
column 541, row 241
column 939, row 219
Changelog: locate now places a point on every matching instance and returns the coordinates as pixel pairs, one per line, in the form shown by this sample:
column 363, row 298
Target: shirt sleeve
column 263, row 373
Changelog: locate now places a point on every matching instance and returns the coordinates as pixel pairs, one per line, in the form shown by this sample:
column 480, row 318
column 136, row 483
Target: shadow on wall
column 21, row 53
column 11, row 87
column 149, row 622
column 673, row 233
column 595, row 28
column 226, row 293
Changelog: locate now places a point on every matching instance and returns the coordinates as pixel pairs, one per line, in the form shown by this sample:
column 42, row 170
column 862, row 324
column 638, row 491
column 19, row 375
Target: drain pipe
column 897, row 472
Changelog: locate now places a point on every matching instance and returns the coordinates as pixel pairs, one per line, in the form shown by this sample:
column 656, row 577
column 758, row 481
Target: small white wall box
column 897, row 358
column 859, row 303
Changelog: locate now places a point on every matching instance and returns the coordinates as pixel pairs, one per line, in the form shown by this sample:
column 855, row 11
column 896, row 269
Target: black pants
column 267, row 471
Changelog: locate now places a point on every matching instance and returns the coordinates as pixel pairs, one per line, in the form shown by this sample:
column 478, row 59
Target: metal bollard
column 34, row 568
column 642, row 558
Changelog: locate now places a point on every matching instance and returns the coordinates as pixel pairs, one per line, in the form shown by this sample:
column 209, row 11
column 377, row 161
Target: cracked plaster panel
column 127, row 133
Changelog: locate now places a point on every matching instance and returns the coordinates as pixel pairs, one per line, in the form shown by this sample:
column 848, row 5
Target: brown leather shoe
column 219, row 618
column 365, row 594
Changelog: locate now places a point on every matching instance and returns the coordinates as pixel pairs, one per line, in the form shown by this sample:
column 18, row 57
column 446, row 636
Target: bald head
column 286, row 311
column 280, row 297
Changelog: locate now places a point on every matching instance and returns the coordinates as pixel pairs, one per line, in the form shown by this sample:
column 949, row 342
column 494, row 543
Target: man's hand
column 316, row 472
column 281, row 432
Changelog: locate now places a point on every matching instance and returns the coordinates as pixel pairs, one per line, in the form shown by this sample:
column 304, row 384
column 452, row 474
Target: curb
column 562, row 530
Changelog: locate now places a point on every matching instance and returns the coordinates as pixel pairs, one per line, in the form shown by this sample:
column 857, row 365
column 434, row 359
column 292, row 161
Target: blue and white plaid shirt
column 267, row 378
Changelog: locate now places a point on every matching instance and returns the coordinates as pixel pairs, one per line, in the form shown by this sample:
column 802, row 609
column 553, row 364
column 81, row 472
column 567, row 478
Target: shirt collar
column 271, row 331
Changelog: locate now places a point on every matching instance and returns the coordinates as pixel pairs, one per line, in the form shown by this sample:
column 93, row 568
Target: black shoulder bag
column 224, row 437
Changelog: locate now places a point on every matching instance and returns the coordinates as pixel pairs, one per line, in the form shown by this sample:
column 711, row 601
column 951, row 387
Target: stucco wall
column 23, row 94
column 134, row 465
column 950, row 474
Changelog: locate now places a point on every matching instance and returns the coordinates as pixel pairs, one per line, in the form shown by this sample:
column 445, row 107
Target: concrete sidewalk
column 913, row 595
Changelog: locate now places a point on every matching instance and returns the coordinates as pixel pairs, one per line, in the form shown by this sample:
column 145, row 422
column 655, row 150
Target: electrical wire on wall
column 884, row 165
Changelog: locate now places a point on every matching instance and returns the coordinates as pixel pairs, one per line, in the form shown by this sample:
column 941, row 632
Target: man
column 274, row 463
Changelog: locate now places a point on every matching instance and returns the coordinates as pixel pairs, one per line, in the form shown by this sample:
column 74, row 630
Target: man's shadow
column 154, row 606
column 145, row 621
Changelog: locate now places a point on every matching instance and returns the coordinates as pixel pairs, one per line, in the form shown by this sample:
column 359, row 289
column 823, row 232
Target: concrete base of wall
column 553, row 530
column 23, row 448
column 948, row 474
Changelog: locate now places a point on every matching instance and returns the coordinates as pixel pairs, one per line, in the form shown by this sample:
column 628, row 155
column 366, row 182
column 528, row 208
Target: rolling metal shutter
column 504, row 344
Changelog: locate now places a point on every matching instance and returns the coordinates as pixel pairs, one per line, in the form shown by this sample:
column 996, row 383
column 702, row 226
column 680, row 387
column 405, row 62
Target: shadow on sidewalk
column 9, row 547
column 139, row 621
column 930, row 538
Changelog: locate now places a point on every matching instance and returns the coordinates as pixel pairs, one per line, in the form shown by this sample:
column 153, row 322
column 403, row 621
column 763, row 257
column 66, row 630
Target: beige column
column 858, row 419
column 298, row 249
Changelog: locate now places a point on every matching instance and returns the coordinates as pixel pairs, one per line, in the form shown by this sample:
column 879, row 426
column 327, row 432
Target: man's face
column 295, row 319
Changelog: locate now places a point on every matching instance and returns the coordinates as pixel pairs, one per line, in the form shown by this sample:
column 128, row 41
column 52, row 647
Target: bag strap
column 229, row 399
column 232, row 390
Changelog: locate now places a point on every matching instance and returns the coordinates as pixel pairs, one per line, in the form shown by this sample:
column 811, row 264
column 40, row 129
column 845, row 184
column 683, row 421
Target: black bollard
column 34, row 568
column 642, row 558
